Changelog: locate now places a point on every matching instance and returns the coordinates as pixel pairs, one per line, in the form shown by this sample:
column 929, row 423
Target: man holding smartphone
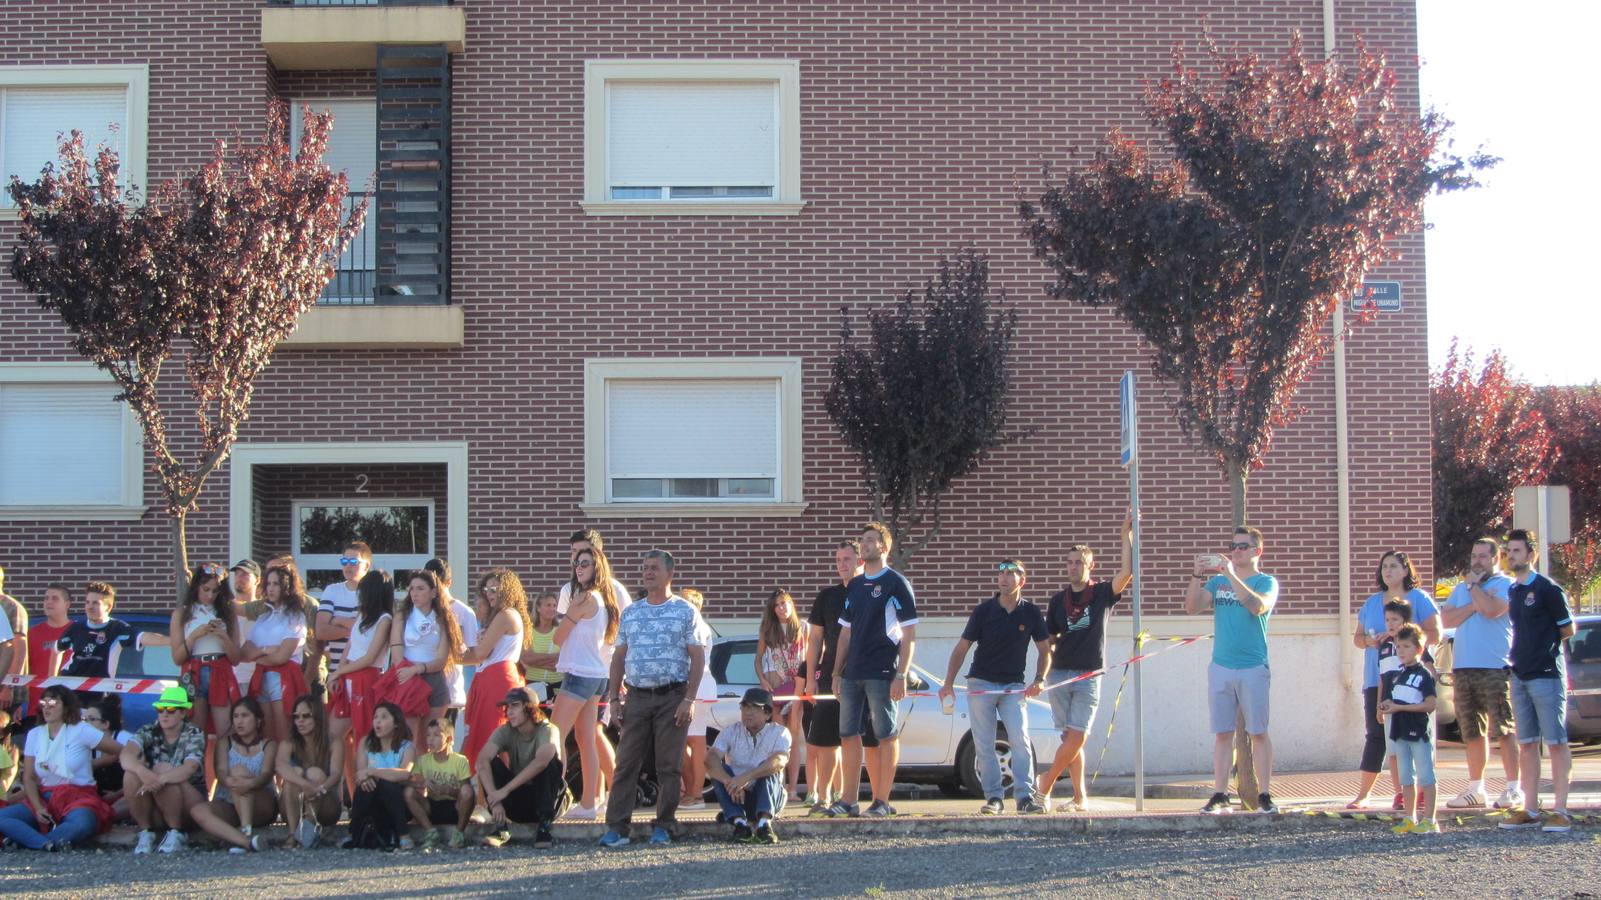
column 1237, row 681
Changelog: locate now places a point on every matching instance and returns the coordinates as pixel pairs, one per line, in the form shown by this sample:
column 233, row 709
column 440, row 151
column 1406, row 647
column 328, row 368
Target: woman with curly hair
column 501, row 642
column 204, row 636
column 277, row 645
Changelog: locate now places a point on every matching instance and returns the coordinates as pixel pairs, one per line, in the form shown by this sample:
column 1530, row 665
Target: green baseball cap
column 174, row 697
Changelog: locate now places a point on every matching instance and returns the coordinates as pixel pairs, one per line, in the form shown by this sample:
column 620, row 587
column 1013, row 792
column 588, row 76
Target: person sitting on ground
column 165, row 772
column 1409, row 698
column 246, row 799
column 441, row 791
column 378, row 814
column 526, row 786
column 204, row 640
column 312, row 765
column 58, row 789
column 746, row 764
column 107, row 716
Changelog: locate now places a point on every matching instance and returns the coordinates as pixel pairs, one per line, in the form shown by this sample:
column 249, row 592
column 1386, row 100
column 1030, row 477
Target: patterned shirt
column 191, row 745
column 744, row 752
column 657, row 638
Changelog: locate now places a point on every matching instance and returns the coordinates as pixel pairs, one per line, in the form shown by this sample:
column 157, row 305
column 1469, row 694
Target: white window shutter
column 692, row 133
column 60, row 444
column 689, row 428
column 352, row 149
column 35, row 116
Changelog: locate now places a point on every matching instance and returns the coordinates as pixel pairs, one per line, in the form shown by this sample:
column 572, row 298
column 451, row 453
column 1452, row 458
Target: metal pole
column 1134, row 565
column 1542, row 506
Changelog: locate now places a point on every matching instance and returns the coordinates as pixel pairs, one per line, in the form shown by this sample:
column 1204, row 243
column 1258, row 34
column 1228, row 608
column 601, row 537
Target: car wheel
column 967, row 763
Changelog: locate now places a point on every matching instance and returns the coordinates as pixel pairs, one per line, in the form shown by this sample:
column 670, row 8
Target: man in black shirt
column 1541, row 621
column 1002, row 627
column 822, row 738
column 1076, row 619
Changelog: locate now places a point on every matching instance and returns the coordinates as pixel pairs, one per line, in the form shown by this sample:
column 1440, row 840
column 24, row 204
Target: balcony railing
column 356, row 278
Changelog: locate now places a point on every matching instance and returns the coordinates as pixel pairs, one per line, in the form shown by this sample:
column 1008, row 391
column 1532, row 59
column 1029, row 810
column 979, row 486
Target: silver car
column 935, row 748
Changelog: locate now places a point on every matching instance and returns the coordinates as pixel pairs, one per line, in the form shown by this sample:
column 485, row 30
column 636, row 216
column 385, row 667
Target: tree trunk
column 1244, row 763
column 180, row 552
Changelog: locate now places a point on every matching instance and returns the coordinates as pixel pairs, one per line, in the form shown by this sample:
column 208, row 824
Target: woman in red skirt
column 351, row 686
column 504, row 637
column 205, row 645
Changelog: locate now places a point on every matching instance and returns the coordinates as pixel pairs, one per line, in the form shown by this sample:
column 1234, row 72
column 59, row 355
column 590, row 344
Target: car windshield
column 1585, row 647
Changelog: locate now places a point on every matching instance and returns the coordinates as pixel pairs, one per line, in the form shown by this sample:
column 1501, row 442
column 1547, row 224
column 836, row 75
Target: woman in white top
column 366, row 655
column 500, row 645
column 204, row 637
column 428, row 642
column 695, row 743
column 277, row 645
column 586, row 636
column 57, row 782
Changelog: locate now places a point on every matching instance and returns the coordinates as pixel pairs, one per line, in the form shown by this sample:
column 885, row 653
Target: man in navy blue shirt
column 877, row 632
column 1541, row 621
column 1003, row 627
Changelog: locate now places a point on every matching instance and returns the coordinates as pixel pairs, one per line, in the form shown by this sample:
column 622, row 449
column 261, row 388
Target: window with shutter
column 352, row 149
column 66, row 443
column 39, row 105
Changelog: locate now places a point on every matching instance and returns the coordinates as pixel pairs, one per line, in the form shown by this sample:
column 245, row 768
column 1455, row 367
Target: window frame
column 599, row 72
column 788, row 497
column 390, row 562
column 133, row 77
column 132, row 505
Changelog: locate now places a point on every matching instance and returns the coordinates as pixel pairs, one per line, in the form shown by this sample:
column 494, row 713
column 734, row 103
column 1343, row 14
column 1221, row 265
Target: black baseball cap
column 518, row 695
column 757, row 697
column 249, row 565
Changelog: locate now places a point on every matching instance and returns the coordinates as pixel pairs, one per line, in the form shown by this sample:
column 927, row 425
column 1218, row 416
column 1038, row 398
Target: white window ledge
column 72, row 513
column 689, row 208
column 693, row 510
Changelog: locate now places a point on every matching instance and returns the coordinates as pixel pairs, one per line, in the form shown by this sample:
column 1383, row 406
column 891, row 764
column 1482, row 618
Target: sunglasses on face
column 49, row 701
column 1242, row 545
column 1009, row 567
column 168, row 709
column 350, row 560
column 584, row 564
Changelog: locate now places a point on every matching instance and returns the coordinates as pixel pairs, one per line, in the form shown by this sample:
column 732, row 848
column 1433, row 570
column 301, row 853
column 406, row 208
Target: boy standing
column 1408, row 701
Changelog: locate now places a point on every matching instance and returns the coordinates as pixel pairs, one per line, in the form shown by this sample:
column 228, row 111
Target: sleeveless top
column 544, row 642
column 252, row 763
column 510, row 645
column 586, row 653
column 361, row 642
column 387, row 759
column 199, row 618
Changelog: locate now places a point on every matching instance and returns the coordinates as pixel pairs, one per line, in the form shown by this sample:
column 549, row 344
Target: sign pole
column 1130, row 458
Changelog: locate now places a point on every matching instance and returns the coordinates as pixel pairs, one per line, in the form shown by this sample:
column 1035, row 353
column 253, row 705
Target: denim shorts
column 867, row 697
column 272, row 686
column 1540, row 706
column 1415, row 760
column 582, row 688
column 1073, row 707
column 204, row 687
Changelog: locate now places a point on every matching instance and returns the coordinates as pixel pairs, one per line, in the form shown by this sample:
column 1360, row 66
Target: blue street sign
column 1384, row 296
column 1130, row 436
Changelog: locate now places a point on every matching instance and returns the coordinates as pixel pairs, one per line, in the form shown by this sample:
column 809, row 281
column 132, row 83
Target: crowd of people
column 356, row 701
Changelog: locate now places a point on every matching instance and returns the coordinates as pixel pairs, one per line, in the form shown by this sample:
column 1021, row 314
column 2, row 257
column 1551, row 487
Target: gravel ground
column 1333, row 860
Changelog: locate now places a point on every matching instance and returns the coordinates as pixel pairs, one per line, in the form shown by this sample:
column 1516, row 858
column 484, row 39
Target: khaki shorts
column 1483, row 700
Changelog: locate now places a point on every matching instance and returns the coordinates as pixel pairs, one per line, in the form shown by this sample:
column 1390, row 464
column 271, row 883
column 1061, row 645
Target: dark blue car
column 150, row 662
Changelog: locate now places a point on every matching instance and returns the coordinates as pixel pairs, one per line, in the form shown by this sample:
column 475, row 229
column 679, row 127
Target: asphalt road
column 1303, row 859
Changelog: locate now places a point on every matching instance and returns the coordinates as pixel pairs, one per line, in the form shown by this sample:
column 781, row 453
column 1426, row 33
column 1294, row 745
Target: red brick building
column 606, row 283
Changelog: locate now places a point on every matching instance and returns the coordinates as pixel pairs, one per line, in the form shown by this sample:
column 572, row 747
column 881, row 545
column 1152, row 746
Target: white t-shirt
column 68, row 759
column 361, row 642
column 422, row 637
column 455, row 679
column 276, row 627
column 708, row 684
column 617, row 589
column 199, row 618
column 342, row 603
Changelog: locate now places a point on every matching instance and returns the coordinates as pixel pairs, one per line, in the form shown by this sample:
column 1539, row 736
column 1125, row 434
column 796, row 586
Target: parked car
column 148, row 662
column 1583, row 652
column 935, row 748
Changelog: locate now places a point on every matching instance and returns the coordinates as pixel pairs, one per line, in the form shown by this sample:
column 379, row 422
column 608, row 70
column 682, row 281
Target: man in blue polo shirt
column 877, row 632
column 1541, row 621
column 1481, row 686
column 1237, row 681
column 1002, row 626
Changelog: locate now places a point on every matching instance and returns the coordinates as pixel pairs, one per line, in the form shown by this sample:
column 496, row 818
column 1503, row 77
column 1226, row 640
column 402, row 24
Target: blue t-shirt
column 1482, row 643
column 1371, row 618
column 1239, row 638
column 1539, row 610
column 1001, row 639
column 876, row 609
column 656, row 639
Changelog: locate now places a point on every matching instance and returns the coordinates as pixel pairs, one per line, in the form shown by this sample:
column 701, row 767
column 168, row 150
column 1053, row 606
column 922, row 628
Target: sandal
column 1357, row 803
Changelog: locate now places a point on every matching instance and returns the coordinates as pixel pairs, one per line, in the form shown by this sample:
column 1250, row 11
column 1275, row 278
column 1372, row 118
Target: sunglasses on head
column 1009, row 567
column 1242, row 545
column 213, row 569
column 350, row 560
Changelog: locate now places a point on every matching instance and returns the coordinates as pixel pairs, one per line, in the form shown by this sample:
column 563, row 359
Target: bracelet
column 1197, row 574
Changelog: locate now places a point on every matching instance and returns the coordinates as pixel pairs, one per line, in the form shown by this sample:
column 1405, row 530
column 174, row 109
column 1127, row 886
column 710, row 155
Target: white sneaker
column 146, row 840
column 692, row 806
column 173, row 842
column 1511, row 798
column 480, row 816
column 583, row 813
column 1465, row 800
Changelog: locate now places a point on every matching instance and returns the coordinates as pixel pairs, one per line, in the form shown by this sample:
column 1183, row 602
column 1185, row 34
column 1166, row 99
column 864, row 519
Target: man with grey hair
column 659, row 659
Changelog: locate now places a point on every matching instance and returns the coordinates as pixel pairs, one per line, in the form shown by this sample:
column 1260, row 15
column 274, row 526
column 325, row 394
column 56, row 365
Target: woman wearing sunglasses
column 507, row 634
column 205, row 645
column 311, row 765
column 61, row 804
column 106, row 715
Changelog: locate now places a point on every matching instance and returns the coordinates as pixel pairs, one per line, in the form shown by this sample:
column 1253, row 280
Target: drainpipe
column 1342, row 456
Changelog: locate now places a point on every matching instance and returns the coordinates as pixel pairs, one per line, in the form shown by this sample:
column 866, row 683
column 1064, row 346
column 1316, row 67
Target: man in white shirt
column 746, row 765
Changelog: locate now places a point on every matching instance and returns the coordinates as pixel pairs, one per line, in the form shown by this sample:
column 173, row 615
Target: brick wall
column 918, row 121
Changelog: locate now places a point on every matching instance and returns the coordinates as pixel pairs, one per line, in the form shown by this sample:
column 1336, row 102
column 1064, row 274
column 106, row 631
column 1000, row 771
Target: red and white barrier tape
column 108, row 685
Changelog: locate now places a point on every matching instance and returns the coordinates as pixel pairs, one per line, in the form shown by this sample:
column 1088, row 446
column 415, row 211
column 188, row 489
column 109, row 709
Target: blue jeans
column 764, row 798
column 18, row 823
column 983, row 711
column 1415, row 760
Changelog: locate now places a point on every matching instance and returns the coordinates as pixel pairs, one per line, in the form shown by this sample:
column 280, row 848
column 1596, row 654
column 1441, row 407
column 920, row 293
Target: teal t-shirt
column 1239, row 639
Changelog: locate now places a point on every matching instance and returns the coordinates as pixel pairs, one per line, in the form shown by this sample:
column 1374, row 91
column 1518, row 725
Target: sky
column 1511, row 264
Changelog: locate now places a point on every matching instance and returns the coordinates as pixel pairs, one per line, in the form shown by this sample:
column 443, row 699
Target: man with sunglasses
column 339, row 603
column 164, row 772
column 1003, row 627
column 1237, row 681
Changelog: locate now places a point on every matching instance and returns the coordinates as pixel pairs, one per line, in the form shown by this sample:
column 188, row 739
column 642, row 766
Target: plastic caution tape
column 104, row 685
